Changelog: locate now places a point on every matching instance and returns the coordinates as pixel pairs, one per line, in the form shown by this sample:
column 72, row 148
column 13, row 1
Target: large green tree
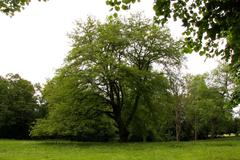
column 208, row 23
column 114, row 64
column 117, row 63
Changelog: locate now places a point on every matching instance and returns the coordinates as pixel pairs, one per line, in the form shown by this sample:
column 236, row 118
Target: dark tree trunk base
column 123, row 134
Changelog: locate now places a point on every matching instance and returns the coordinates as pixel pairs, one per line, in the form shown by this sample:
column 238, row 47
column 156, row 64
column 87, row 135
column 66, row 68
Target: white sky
column 34, row 42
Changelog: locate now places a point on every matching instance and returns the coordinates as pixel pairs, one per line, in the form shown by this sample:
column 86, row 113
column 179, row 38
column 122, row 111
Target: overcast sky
column 34, row 42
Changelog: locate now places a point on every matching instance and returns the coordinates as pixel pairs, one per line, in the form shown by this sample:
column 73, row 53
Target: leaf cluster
column 9, row 7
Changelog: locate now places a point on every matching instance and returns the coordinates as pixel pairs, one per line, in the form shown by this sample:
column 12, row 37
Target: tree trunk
column 178, row 130
column 195, row 130
column 122, row 127
column 134, row 109
column 195, row 125
column 123, row 134
column 178, row 123
column 195, row 134
column 116, row 101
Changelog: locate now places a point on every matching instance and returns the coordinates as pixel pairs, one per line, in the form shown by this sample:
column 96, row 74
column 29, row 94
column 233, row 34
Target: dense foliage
column 70, row 114
column 18, row 107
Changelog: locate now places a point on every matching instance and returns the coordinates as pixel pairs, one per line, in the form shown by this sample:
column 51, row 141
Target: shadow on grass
column 113, row 146
column 65, row 143
column 219, row 142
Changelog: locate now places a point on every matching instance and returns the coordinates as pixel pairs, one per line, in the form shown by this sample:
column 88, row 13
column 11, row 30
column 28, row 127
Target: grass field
column 222, row 149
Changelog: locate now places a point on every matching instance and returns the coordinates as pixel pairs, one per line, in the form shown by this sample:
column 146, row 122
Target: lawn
column 222, row 149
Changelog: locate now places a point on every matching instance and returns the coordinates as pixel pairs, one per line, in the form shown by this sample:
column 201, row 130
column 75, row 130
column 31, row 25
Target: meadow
column 220, row 149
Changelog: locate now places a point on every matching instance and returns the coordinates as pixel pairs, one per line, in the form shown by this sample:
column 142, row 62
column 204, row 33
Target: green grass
column 223, row 149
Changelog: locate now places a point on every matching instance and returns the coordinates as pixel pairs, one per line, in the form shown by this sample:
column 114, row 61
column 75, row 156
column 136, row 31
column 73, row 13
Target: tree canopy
column 210, row 24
